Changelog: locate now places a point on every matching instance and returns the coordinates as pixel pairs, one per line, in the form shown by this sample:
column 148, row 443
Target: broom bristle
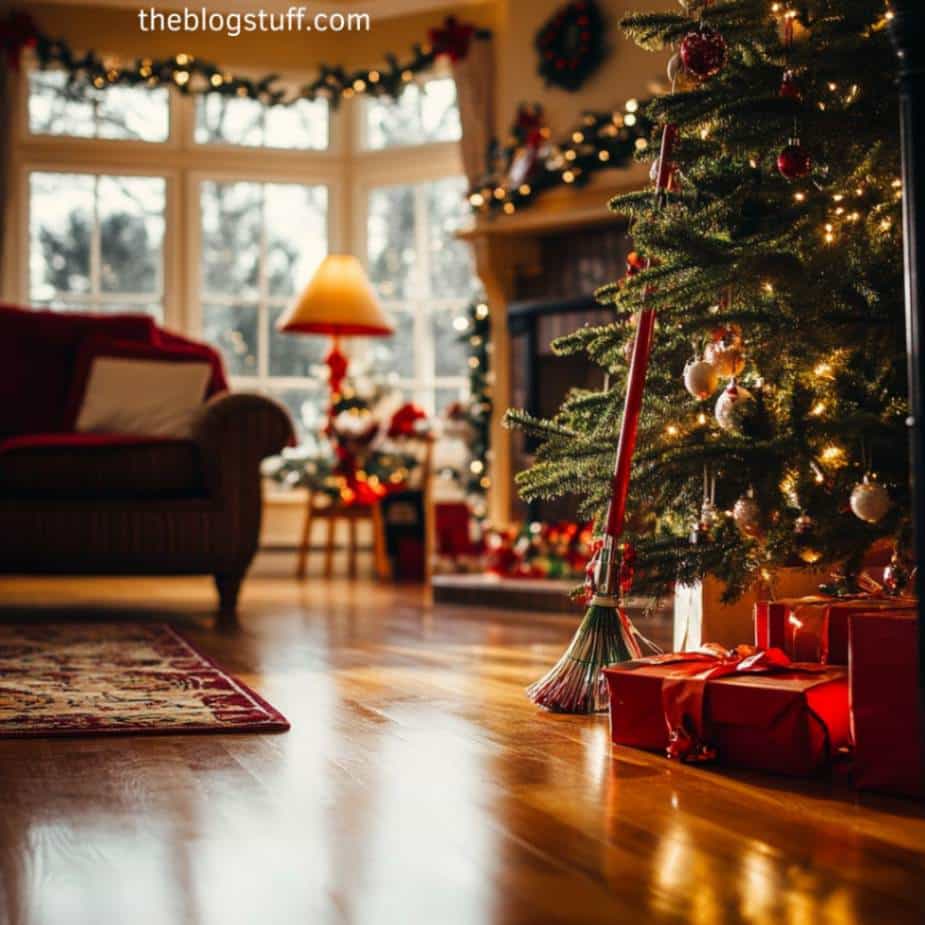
column 575, row 684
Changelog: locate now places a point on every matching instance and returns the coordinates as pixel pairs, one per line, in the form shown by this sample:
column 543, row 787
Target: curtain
column 475, row 91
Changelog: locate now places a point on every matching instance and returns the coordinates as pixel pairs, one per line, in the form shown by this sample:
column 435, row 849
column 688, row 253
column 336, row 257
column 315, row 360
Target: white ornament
column 700, row 379
column 675, row 68
column 728, row 358
column 870, row 501
column 746, row 514
column 731, row 405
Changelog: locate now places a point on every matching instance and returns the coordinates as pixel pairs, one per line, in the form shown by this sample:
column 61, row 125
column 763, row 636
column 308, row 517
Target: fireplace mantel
column 509, row 246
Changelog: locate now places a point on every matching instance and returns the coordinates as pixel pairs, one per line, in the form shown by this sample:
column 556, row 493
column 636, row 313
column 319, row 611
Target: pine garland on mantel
column 190, row 75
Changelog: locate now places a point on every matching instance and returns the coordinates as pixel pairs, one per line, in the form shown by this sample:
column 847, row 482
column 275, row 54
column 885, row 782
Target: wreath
column 571, row 44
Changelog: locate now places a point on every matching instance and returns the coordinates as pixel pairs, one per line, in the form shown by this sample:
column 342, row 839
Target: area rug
column 100, row 678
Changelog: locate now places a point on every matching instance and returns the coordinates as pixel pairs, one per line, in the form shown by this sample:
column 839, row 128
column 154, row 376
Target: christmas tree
column 773, row 422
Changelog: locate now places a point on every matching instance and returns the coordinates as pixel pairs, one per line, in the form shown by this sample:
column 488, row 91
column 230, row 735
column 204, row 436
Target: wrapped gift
column 886, row 721
column 815, row 629
column 747, row 708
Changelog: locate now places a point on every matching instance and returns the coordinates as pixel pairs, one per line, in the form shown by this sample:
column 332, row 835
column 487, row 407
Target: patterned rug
column 100, row 678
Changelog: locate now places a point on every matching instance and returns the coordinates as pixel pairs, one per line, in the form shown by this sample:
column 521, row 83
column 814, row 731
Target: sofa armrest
column 235, row 431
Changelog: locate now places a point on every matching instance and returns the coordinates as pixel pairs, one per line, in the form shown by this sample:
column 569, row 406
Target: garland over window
column 18, row 32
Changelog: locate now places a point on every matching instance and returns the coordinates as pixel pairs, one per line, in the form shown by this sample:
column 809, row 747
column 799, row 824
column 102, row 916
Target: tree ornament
column 789, row 88
column 703, row 53
column 870, row 500
column 746, row 515
column 731, row 407
column 675, row 67
column 700, row 379
column 726, row 352
column 805, row 541
column 794, row 161
column 896, row 575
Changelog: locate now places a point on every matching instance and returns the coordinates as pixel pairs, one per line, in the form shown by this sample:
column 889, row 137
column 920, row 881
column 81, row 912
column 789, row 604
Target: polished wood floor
column 417, row 785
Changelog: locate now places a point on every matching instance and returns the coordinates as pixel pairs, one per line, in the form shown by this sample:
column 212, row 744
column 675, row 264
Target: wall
column 116, row 31
column 626, row 73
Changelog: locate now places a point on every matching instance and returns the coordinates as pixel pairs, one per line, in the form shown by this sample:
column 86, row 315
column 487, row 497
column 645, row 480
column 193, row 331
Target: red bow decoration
column 684, row 690
column 17, row 32
column 453, row 39
column 404, row 421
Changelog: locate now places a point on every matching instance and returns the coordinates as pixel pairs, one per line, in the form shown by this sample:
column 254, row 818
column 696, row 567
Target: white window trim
column 346, row 167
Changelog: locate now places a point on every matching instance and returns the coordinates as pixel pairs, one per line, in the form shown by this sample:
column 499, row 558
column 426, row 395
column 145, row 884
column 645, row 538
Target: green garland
column 602, row 141
column 191, row 75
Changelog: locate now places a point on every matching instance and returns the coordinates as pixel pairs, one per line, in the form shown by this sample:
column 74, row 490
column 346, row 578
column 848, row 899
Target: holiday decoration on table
column 531, row 162
column 364, row 453
column 572, row 44
column 787, row 278
column 190, row 75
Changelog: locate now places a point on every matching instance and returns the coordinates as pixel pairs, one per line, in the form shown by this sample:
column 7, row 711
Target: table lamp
column 338, row 301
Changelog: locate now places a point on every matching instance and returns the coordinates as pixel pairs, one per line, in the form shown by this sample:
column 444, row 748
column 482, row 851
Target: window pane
column 452, row 274
column 445, row 396
column 126, row 113
column 233, row 330
column 131, row 216
column 297, row 240
column 397, row 352
column 307, row 407
column 390, row 240
column 450, row 354
column 61, row 210
column 294, row 354
column 303, row 125
column 421, row 114
column 231, row 222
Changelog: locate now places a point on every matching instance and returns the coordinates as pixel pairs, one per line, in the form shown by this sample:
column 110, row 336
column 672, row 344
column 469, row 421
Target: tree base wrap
column 757, row 710
column 815, row 629
column 575, row 684
column 886, row 723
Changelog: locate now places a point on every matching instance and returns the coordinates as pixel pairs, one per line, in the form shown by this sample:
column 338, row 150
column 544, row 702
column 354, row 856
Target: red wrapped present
column 745, row 707
column 886, row 721
column 815, row 629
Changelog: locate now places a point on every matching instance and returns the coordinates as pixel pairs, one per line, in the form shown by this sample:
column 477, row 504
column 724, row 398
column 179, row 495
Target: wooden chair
column 353, row 513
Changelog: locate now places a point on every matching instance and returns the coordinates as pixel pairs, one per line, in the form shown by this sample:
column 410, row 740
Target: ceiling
column 379, row 9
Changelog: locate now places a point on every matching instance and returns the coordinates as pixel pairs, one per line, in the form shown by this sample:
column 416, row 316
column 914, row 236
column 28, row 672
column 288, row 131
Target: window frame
column 346, row 167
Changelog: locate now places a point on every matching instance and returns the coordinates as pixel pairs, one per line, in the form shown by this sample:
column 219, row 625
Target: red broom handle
column 639, row 364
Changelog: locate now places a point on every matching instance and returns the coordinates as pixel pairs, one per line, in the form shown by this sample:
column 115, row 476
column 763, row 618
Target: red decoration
column 571, row 44
column 703, row 53
column 789, row 88
column 337, row 363
column 794, row 161
column 17, row 32
column 452, row 39
column 404, row 422
column 751, row 708
column 885, row 716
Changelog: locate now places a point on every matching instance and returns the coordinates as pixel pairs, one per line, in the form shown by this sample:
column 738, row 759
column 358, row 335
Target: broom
column 606, row 635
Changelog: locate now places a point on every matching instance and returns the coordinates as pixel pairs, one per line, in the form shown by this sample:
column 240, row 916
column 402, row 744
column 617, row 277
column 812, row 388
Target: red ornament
column 703, row 53
column 789, row 88
column 794, row 161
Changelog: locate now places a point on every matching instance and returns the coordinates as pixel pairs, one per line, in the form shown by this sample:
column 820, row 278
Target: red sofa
column 92, row 503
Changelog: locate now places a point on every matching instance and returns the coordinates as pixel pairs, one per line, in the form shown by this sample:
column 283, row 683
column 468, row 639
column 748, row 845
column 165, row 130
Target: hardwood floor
column 417, row 785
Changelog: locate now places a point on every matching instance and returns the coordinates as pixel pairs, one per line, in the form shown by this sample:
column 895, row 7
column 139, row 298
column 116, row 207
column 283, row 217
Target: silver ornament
column 675, row 68
column 731, row 405
column 870, row 501
column 746, row 515
column 700, row 379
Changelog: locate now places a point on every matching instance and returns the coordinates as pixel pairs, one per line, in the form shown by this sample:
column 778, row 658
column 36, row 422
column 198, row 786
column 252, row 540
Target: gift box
column 761, row 712
column 886, row 719
column 815, row 629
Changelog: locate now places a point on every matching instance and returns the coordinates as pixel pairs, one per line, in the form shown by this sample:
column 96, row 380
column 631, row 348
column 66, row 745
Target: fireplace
column 555, row 299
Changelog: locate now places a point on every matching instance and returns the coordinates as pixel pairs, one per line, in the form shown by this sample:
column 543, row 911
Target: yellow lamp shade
column 339, row 300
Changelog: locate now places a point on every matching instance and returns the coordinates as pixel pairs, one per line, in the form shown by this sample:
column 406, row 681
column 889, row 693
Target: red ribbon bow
column 17, row 32
column 453, row 39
